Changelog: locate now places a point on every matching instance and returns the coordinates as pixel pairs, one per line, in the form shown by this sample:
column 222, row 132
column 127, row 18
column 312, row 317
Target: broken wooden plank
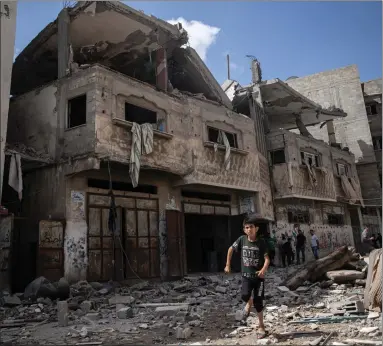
column 327, row 319
column 156, row 305
column 325, row 341
column 89, row 343
column 362, row 342
column 12, row 325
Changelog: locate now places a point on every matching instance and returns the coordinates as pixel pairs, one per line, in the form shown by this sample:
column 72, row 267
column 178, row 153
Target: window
column 368, row 211
column 139, row 115
column 77, row 111
column 213, row 135
column 121, row 186
column 371, row 109
column 342, row 169
column 312, row 159
column 277, row 156
column 335, row 219
column 377, row 142
column 298, row 216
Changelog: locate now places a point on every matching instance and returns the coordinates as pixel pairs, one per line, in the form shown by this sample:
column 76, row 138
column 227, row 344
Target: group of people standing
column 285, row 247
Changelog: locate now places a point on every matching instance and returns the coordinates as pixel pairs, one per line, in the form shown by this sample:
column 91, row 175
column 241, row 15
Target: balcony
column 293, row 181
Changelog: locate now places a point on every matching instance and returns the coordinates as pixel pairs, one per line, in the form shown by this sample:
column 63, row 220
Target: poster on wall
column 78, row 205
column 246, row 204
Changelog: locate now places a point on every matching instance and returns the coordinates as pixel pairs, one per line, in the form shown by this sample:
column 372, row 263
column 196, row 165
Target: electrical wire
column 119, row 235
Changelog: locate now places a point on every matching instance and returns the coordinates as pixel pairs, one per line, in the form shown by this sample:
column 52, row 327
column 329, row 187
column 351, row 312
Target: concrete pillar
column 63, row 42
column 379, row 219
column 8, row 11
column 331, row 132
column 161, row 69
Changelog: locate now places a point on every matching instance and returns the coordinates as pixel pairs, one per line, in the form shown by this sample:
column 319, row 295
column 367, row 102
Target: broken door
column 176, row 243
column 105, row 253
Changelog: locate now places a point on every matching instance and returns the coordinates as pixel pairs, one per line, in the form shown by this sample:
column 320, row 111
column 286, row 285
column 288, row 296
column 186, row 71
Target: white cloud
column 201, row 35
column 16, row 53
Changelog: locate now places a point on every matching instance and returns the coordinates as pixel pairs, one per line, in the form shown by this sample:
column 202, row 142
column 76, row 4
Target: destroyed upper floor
column 309, row 168
column 91, row 113
column 118, row 37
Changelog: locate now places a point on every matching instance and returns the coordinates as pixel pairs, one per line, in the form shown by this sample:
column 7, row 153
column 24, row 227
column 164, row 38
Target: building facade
column 342, row 88
column 179, row 186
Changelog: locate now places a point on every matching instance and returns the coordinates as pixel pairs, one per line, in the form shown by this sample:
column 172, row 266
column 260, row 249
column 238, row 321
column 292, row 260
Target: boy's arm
column 235, row 247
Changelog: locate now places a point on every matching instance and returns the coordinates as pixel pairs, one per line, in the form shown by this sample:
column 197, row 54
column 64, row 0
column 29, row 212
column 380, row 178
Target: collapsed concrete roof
column 121, row 38
column 282, row 103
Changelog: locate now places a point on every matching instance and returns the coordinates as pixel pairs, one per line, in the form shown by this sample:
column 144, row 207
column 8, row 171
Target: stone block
column 62, row 313
column 117, row 299
column 125, row 313
column 170, row 310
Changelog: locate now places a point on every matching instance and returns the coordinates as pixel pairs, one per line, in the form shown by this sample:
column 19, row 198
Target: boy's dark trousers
column 300, row 249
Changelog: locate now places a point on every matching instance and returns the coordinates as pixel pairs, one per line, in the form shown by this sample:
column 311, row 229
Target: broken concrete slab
column 373, row 315
column 170, row 310
column 368, row 330
column 344, row 276
column 118, row 299
column 10, row 301
column 62, row 313
column 86, row 306
column 125, row 313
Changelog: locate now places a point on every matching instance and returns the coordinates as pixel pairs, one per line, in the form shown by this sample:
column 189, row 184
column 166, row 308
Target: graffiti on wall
column 77, row 205
column 330, row 237
column 51, row 234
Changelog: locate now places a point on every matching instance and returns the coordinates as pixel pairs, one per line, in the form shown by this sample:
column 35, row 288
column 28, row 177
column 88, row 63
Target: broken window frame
column 315, row 161
column 158, row 125
column 298, row 216
column 231, row 136
column 345, row 168
column 372, row 109
column 273, row 156
column 335, row 219
column 68, row 111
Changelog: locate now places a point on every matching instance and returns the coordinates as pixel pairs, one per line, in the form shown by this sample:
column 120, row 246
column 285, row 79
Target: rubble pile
column 195, row 310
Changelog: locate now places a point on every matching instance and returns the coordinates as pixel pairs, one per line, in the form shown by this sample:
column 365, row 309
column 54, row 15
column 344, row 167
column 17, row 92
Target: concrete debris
column 344, row 276
column 196, row 308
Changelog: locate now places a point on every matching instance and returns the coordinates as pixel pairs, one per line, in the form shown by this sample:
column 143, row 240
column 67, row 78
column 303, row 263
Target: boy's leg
column 246, row 291
column 259, row 294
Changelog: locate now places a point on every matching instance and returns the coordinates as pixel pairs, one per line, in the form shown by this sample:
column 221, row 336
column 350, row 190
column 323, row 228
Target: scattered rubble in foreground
column 197, row 310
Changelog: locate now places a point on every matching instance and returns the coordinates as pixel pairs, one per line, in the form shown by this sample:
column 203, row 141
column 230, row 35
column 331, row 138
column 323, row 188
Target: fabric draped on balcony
column 348, row 190
column 15, row 179
column 356, row 186
column 142, row 144
column 312, row 175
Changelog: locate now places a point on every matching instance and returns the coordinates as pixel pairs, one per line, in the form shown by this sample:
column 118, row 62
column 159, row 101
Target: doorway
column 207, row 241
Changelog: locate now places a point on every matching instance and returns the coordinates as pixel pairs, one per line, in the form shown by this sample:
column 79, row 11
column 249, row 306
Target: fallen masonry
column 196, row 310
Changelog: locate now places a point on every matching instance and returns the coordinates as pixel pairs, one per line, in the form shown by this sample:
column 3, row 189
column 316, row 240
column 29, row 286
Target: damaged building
column 360, row 132
column 133, row 162
column 315, row 185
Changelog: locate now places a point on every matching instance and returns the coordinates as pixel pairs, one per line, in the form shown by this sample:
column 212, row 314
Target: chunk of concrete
column 184, row 333
column 373, row 315
column 93, row 316
column 117, row 299
column 125, row 313
column 344, row 276
column 86, row 306
column 221, row 289
column 170, row 310
column 62, row 313
column 368, row 330
column 10, row 301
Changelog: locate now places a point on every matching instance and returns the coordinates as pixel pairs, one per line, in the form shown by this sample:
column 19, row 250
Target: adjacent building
column 359, row 132
column 315, row 185
column 125, row 108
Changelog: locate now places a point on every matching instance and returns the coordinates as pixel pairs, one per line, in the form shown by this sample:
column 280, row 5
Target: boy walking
column 254, row 264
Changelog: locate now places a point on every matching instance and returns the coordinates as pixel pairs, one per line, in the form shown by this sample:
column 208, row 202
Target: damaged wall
column 330, row 236
column 183, row 149
column 33, row 120
column 292, row 177
column 342, row 88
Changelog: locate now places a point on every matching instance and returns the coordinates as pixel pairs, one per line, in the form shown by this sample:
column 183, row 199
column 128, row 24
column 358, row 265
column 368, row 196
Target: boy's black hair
column 250, row 219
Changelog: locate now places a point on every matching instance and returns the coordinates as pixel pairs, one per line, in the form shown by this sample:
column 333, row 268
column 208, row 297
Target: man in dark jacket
column 301, row 245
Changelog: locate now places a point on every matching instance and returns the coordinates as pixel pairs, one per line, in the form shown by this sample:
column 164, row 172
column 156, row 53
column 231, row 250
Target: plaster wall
column 330, row 237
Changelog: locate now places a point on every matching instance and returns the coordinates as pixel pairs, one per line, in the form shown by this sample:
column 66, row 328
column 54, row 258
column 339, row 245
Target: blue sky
column 288, row 38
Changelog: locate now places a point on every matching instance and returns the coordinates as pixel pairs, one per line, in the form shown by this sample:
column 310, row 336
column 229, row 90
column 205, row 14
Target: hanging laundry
column 222, row 138
column 135, row 154
column 312, row 175
column 15, row 179
column 142, row 144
